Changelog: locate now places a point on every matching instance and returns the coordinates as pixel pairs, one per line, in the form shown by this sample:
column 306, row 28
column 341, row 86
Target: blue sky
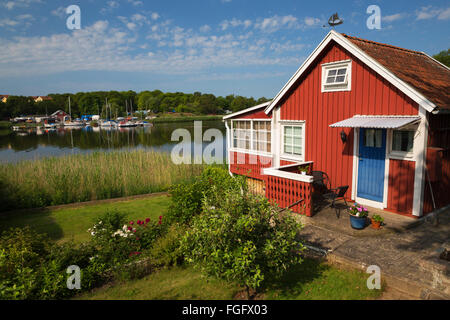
column 223, row 47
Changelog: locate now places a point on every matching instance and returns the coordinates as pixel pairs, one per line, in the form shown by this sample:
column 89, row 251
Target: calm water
column 37, row 143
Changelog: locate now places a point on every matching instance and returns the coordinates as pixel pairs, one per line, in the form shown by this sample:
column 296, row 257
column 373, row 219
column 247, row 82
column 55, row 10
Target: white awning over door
column 379, row 122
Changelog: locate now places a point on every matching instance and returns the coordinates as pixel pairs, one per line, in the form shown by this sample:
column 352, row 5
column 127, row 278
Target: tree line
column 120, row 102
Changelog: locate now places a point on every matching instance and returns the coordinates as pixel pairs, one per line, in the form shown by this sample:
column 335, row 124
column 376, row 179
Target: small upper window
column 336, row 76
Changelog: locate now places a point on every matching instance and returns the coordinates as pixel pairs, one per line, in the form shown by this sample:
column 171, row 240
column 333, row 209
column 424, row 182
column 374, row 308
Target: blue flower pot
column 357, row 222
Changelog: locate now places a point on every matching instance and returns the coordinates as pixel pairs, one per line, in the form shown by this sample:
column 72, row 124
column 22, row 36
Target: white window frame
column 289, row 156
column 402, row 155
column 252, row 150
column 341, row 86
column 267, row 141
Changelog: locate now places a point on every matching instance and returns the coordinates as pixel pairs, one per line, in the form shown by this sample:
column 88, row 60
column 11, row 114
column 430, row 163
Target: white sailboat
column 70, row 123
column 107, row 123
column 127, row 123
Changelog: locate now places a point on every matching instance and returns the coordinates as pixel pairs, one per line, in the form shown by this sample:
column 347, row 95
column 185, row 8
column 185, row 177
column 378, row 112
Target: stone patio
column 406, row 249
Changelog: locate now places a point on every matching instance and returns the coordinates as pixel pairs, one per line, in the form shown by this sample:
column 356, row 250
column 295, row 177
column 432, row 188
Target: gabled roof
column 400, row 82
column 254, row 108
column 419, row 70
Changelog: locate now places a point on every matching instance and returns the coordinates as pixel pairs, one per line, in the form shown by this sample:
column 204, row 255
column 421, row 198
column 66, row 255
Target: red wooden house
column 372, row 116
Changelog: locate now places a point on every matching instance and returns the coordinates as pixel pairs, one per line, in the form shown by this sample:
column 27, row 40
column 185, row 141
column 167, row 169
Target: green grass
column 72, row 223
column 311, row 280
column 183, row 283
column 85, row 177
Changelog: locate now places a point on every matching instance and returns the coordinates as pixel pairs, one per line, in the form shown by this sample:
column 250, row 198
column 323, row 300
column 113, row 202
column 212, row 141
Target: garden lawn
column 72, row 223
column 311, row 280
column 177, row 283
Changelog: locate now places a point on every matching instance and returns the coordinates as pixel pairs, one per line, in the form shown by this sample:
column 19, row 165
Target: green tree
column 443, row 57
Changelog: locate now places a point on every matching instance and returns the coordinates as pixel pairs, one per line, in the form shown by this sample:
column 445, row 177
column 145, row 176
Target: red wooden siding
column 285, row 192
column 370, row 95
column 438, row 137
column 249, row 165
column 401, row 186
column 259, row 114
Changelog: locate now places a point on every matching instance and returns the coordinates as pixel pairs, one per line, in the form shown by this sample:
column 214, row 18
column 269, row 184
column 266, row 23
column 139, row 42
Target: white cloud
column 235, row 23
column 276, row 23
column 155, row 16
column 135, row 3
column 429, row 12
column 205, row 28
column 60, row 12
column 393, row 17
column 23, row 20
column 10, row 5
column 110, row 6
column 167, row 48
column 310, row 21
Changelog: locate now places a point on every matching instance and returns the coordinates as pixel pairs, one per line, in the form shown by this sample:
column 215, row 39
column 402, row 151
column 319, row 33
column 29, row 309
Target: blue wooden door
column 372, row 154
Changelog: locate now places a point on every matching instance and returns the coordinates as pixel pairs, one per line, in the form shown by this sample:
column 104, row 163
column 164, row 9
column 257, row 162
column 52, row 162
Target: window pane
column 332, row 72
column 369, row 137
column 403, row 141
column 330, row 80
column 298, row 150
column 297, row 131
column 287, row 148
column 297, row 142
column 288, row 131
column 342, row 71
column 340, row 79
column 378, row 138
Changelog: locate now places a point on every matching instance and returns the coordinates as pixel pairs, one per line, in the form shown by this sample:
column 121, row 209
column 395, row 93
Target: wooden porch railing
column 285, row 188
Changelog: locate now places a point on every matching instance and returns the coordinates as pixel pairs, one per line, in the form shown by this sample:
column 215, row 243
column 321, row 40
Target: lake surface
column 36, row 143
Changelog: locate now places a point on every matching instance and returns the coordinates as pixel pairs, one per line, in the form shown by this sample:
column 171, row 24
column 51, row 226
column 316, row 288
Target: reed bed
column 95, row 176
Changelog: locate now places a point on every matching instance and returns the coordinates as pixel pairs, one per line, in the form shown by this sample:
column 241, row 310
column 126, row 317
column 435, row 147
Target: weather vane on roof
column 334, row 21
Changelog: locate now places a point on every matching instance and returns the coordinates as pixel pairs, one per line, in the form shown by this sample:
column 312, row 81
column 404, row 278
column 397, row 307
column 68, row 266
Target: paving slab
column 408, row 253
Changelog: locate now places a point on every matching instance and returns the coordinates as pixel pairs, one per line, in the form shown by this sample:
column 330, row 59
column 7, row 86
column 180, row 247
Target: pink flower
column 131, row 222
column 130, row 228
column 147, row 220
column 359, row 209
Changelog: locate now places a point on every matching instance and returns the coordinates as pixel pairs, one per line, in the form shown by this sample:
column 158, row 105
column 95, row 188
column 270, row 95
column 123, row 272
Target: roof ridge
column 383, row 44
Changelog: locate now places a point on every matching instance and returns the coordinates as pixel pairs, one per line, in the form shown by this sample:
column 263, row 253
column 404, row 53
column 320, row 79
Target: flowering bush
column 242, row 238
column 118, row 241
column 358, row 211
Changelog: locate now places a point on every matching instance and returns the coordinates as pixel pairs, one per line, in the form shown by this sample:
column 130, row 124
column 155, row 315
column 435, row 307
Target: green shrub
column 186, row 198
column 242, row 238
column 31, row 267
column 22, row 252
column 166, row 250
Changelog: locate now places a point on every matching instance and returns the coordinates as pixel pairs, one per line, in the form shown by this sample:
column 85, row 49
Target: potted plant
column 377, row 220
column 358, row 216
column 304, row 169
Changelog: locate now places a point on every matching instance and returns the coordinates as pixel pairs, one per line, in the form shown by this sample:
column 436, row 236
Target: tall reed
column 95, row 176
